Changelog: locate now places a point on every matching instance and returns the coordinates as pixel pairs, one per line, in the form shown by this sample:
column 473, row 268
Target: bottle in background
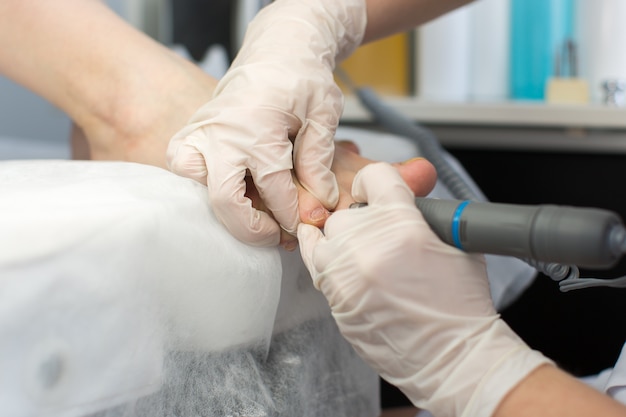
column 489, row 43
column 601, row 31
column 538, row 29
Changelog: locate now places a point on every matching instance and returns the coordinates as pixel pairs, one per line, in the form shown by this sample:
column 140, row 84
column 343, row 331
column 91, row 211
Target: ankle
column 136, row 122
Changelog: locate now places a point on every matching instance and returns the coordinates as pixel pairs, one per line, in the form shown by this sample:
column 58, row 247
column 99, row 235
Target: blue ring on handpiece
column 456, row 224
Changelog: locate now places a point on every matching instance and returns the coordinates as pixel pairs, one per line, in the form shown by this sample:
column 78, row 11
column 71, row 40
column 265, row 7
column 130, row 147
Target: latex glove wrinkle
column 416, row 309
column 275, row 111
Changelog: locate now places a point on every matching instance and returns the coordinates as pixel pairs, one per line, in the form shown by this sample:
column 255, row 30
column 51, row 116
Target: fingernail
column 408, row 161
column 318, row 214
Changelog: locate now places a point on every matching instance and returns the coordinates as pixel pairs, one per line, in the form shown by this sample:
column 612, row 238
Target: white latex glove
column 279, row 89
column 417, row 310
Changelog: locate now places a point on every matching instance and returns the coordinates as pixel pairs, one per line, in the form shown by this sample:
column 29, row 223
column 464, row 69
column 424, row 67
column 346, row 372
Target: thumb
column 313, row 151
column 184, row 159
column 309, row 236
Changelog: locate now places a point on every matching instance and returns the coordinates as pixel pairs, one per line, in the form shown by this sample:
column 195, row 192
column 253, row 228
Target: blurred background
column 527, row 94
column 491, row 52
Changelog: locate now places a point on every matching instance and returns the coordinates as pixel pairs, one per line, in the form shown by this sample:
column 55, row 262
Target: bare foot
column 150, row 111
column 147, row 114
column 419, row 174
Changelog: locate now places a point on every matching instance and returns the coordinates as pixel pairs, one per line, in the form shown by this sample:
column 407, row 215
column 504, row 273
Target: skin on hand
column 548, row 391
column 388, row 17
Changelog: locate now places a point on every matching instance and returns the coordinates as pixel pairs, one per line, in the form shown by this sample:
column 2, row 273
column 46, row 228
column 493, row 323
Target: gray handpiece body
column 586, row 237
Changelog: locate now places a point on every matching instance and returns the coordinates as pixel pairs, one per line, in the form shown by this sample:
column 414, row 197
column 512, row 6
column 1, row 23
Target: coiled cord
column 557, row 272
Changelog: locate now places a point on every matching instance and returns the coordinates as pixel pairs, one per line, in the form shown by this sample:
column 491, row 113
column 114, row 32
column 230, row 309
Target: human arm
column 420, row 313
column 387, row 17
column 128, row 93
column 549, row 391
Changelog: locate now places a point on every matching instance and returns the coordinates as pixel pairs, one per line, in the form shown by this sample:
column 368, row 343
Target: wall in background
column 30, row 125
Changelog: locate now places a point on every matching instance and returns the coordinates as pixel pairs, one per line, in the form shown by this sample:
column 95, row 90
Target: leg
column 128, row 93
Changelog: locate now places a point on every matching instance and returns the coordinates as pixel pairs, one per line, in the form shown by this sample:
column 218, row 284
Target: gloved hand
column 279, row 89
column 416, row 309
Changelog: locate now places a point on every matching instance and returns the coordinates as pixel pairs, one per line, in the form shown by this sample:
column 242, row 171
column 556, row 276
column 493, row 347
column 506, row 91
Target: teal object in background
column 538, row 29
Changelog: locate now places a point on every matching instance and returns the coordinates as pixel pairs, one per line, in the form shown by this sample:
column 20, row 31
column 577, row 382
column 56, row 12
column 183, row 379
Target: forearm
column 387, row 17
column 549, row 391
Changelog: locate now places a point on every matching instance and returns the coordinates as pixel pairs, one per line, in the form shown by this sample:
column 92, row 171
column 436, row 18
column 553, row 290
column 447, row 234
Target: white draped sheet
column 122, row 295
